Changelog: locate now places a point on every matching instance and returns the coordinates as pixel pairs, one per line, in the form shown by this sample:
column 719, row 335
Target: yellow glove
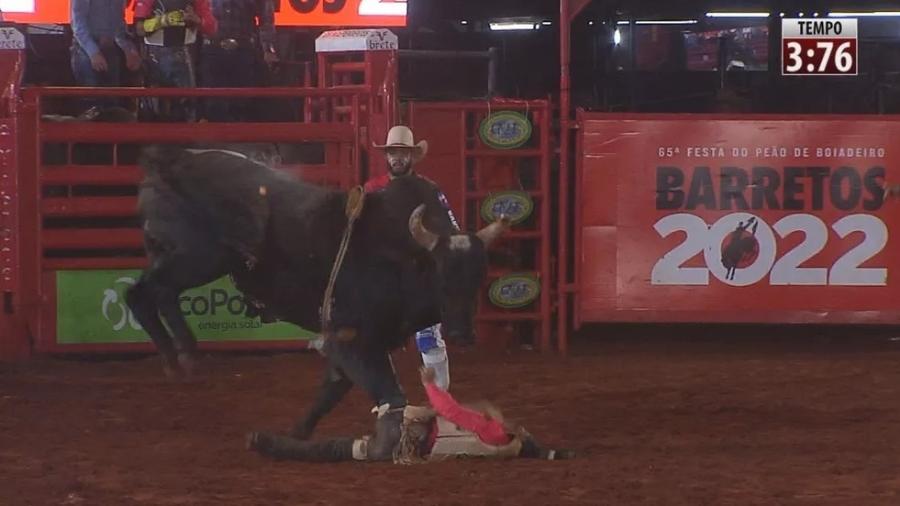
column 172, row 18
column 152, row 24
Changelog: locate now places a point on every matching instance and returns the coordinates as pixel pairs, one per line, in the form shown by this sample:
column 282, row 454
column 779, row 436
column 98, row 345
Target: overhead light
column 737, row 14
column 590, row 23
column 872, row 14
column 624, row 23
column 667, row 22
column 781, row 14
column 617, row 37
column 514, row 26
column 799, row 14
column 546, row 23
column 463, row 22
column 815, row 14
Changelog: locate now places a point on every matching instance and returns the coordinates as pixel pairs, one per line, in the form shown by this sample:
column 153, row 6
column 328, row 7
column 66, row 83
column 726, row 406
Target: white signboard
column 380, row 39
column 26, row 6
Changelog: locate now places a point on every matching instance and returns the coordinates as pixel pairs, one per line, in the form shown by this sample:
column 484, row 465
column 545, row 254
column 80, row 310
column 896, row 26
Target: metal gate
column 493, row 157
column 79, row 240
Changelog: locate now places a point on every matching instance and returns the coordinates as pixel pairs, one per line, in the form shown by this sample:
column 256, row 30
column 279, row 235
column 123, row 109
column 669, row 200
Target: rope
column 353, row 209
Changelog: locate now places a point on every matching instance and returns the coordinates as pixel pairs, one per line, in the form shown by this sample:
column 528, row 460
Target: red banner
column 324, row 13
column 735, row 218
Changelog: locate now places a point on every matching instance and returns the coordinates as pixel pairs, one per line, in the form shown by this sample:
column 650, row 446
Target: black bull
column 207, row 214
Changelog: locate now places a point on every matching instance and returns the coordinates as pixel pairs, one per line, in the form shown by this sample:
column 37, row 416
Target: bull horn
column 426, row 238
column 493, row 231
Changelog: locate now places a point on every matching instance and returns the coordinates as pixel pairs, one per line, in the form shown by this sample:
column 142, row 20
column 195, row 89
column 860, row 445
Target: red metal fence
column 75, row 216
column 472, row 173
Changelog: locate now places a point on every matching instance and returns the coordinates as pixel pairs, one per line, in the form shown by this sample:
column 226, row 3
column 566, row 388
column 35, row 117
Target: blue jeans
column 171, row 67
column 86, row 76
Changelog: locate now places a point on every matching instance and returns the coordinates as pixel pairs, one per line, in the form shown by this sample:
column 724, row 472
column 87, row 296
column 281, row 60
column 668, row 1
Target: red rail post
column 568, row 10
column 39, row 248
column 13, row 331
column 563, row 248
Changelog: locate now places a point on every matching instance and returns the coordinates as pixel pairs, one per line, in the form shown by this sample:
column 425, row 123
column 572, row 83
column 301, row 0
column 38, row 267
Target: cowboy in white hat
column 401, row 153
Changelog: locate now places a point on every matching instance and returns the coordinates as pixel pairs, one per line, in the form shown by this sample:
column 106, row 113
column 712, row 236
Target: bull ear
column 426, row 238
column 493, row 231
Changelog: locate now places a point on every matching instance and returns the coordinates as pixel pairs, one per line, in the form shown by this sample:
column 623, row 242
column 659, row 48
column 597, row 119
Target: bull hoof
column 171, row 373
column 187, row 363
column 170, row 368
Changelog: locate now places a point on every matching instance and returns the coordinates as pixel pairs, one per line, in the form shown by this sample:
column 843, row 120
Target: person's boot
column 387, row 434
column 560, row 454
column 531, row 449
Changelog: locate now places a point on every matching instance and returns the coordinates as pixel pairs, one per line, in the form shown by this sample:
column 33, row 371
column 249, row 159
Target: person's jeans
column 171, row 67
column 86, row 76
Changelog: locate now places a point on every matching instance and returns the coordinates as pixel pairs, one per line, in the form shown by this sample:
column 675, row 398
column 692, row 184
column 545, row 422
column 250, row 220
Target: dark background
column 655, row 68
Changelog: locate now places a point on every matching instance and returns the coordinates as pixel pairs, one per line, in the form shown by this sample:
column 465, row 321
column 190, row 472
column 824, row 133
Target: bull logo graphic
column 115, row 310
column 740, row 248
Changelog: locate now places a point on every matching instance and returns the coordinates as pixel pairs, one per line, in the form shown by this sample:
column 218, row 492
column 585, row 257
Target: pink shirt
column 488, row 431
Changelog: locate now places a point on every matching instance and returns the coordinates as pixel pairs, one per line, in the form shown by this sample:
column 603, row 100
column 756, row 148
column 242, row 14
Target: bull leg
column 157, row 294
column 333, row 389
column 372, row 370
column 143, row 303
column 185, row 342
column 350, row 364
column 181, row 274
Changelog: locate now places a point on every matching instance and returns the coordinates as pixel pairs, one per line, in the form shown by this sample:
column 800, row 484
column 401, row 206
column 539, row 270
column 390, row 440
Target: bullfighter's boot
column 387, row 433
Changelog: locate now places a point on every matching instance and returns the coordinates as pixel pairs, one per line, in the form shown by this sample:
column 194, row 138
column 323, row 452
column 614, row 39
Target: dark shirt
column 243, row 19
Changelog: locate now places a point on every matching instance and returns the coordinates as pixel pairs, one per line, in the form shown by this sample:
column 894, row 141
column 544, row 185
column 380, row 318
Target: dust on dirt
column 657, row 421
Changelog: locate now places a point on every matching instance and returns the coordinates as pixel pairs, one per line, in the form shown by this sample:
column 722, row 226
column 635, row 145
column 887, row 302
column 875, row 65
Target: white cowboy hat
column 402, row 137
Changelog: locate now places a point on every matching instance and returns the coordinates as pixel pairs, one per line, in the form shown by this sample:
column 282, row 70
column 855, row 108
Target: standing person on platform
column 238, row 55
column 100, row 41
column 169, row 28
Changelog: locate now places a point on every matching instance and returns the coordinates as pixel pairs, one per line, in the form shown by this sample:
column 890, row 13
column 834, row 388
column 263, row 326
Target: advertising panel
column 738, row 215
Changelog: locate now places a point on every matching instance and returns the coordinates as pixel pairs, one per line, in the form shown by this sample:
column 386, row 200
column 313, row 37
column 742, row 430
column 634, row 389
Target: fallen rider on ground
column 417, row 434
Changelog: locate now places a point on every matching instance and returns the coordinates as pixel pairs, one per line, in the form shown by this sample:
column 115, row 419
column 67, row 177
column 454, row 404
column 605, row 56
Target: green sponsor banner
column 90, row 308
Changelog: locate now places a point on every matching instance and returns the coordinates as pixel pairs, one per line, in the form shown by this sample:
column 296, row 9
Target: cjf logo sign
column 114, row 308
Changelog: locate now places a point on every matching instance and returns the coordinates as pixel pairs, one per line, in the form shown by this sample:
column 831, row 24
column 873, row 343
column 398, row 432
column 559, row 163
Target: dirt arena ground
column 675, row 420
